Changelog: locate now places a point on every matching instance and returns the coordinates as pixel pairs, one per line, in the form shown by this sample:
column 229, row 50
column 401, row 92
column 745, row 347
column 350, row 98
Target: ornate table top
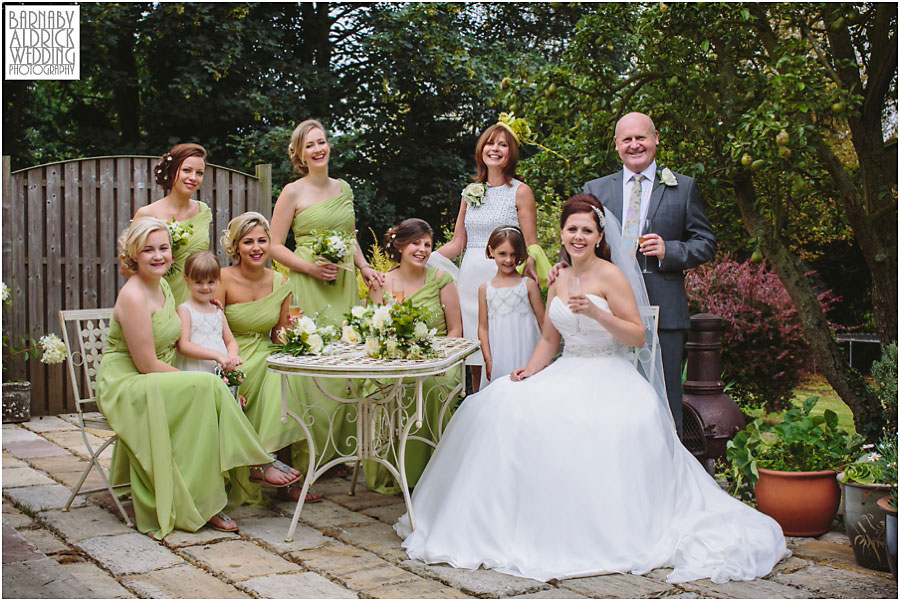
column 348, row 360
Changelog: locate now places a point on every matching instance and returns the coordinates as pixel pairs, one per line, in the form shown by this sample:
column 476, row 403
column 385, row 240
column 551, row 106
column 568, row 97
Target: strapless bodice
column 584, row 337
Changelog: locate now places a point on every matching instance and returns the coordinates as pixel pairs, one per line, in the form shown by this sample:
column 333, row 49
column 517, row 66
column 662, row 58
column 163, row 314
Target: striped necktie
column 631, row 227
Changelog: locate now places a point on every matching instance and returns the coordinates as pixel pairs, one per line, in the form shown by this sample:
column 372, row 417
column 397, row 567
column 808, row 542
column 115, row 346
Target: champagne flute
column 396, row 289
column 647, row 229
column 575, row 290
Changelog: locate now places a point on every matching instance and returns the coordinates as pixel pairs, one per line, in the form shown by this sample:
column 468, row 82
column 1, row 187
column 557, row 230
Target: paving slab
column 835, row 536
column 238, row 560
column 16, row 548
column 42, row 498
column 270, row 531
column 824, row 581
column 13, row 434
column 70, row 479
column 326, row 514
column 389, row 514
column 739, row 589
column 479, row 583
column 16, row 477
column 619, row 586
column 131, row 553
column 62, row 463
column 204, row 536
column 791, row 564
column 72, row 440
column 40, row 579
column 48, row 423
column 34, row 448
column 416, row 589
column 10, row 461
column 98, row 581
column 826, row 553
column 306, row 585
column 181, row 582
column 368, row 580
column 83, row 522
column 14, row 518
column 337, row 559
column 552, row 593
column 363, row 499
column 44, row 541
column 248, row 511
column 378, row 537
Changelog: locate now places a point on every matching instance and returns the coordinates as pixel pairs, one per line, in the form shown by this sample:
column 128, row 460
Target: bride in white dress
column 574, row 469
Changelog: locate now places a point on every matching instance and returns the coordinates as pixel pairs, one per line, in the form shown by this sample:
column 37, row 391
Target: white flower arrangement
column 54, row 349
column 180, row 234
column 668, row 178
column 390, row 331
column 333, row 246
column 474, row 194
column 304, row 337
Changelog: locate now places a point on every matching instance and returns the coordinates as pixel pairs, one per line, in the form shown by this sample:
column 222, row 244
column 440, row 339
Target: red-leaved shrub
column 763, row 349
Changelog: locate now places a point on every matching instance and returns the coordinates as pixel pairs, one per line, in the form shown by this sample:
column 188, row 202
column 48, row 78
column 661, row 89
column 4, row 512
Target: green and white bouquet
column 333, row 246
column 179, row 234
column 390, row 331
column 304, row 337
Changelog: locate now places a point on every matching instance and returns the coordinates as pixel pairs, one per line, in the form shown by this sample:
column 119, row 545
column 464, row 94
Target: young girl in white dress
column 206, row 340
column 510, row 309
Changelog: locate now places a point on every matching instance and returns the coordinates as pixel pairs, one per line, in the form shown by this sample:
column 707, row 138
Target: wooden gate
column 61, row 224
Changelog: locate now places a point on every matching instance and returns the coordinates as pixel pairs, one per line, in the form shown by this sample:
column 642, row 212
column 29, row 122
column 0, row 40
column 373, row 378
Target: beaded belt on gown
column 606, row 349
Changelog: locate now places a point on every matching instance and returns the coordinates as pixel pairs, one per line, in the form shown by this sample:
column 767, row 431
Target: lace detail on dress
column 511, row 299
column 498, row 208
column 594, row 350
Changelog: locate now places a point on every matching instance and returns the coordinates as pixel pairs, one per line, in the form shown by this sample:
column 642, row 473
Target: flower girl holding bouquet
column 510, row 309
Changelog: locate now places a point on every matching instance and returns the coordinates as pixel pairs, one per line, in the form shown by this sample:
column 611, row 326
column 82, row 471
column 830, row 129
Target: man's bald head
column 636, row 140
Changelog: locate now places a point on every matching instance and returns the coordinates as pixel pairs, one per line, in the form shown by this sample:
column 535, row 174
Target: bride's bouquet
column 304, row 337
column 333, row 246
column 179, row 235
column 390, row 331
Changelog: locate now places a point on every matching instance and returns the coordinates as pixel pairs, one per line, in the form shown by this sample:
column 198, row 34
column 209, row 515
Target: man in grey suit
column 681, row 235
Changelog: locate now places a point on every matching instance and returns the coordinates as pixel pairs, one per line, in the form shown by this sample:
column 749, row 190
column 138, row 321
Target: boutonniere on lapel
column 667, row 177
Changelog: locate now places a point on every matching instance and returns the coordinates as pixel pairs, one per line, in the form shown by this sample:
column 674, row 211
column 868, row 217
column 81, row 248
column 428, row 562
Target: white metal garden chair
column 84, row 334
column 650, row 319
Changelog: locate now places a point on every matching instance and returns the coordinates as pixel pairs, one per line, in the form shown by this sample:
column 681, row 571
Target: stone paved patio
column 343, row 548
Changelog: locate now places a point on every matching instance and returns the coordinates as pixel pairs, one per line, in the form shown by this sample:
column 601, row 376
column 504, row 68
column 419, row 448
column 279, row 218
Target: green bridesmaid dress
column 330, row 300
column 327, row 302
column 197, row 240
column 180, row 434
column 434, row 391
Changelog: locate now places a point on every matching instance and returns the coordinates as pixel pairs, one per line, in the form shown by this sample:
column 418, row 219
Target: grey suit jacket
column 677, row 215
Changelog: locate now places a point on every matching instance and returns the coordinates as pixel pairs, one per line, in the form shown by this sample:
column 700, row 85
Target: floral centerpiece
column 304, row 337
column 390, row 331
column 333, row 246
column 179, row 234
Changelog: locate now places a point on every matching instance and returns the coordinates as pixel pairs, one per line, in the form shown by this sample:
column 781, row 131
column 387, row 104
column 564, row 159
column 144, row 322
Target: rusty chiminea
column 711, row 417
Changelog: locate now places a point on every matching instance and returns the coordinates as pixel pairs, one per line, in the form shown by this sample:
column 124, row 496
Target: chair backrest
column 650, row 319
column 84, row 334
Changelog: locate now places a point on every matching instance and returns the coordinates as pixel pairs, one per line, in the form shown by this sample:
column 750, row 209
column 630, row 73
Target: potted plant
column 17, row 395
column 792, row 466
column 870, row 497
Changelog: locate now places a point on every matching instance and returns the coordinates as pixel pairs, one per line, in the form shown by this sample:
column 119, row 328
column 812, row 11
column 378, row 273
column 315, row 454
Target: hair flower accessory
column 473, row 194
column 668, row 178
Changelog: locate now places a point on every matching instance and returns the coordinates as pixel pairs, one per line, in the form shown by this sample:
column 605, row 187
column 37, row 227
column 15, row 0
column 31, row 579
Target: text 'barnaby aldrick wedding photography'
column 42, row 42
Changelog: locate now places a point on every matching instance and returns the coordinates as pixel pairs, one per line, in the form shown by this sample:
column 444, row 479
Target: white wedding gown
column 575, row 472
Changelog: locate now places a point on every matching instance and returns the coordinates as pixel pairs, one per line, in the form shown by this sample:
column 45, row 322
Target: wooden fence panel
column 61, row 224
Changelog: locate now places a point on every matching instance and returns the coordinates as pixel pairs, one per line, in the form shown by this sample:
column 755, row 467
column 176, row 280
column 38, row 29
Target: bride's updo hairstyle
column 512, row 154
column 583, row 203
column 238, row 228
column 408, row 230
column 298, row 138
column 133, row 239
column 166, row 170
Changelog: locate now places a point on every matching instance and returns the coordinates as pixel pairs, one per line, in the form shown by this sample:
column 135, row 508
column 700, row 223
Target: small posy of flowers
column 473, row 194
column 333, row 246
column 54, row 349
column 304, row 337
column 4, row 293
column 231, row 377
column 667, row 177
column 180, row 234
column 390, row 331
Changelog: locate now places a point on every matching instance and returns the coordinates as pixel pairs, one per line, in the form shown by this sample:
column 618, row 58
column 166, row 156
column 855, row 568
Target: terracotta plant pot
column 890, row 532
column 803, row 503
column 864, row 521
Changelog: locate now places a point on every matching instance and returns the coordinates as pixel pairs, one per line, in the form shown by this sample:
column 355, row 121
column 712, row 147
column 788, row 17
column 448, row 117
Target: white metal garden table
column 385, row 413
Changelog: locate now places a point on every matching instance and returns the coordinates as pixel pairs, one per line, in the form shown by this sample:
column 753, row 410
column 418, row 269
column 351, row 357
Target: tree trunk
column 829, row 358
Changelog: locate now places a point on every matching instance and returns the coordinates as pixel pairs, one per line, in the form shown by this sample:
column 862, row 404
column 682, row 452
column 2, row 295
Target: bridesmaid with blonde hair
column 179, row 173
